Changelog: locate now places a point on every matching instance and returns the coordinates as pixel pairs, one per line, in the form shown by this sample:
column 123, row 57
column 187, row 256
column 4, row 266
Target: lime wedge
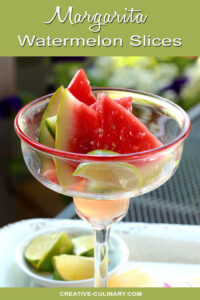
column 40, row 251
column 107, row 176
column 72, row 267
column 84, row 245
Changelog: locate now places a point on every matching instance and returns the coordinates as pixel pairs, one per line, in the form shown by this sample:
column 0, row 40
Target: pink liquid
column 101, row 212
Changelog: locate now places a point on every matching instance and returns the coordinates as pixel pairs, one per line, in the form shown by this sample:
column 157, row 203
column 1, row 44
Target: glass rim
column 80, row 156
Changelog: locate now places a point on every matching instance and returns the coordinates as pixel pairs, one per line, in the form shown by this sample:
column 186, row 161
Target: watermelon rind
column 45, row 137
column 51, row 125
column 63, row 133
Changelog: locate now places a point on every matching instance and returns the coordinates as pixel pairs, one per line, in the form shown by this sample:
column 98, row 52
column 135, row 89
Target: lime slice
column 84, row 245
column 107, row 176
column 40, row 251
column 72, row 267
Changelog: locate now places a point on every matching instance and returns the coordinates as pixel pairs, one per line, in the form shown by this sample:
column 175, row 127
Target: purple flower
column 176, row 85
column 166, row 285
column 9, row 106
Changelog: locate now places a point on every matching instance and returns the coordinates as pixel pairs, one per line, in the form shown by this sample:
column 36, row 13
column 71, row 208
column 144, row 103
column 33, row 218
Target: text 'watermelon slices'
column 126, row 102
column 80, row 88
column 119, row 130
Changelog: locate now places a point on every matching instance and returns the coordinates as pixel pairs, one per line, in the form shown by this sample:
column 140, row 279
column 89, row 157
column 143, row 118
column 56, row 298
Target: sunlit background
column 23, row 79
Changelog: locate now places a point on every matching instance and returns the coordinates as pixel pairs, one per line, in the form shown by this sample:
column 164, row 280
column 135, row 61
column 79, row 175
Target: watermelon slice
column 76, row 124
column 126, row 102
column 119, row 130
column 80, row 88
column 75, row 128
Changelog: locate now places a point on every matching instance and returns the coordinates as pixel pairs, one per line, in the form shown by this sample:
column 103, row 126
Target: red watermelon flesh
column 51, row 175
column 84, row 129
column 126, row 102
column 80, row 88
column 120, row 131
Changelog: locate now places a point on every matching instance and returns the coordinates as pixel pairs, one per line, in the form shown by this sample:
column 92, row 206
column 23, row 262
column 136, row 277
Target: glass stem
column 101, row 237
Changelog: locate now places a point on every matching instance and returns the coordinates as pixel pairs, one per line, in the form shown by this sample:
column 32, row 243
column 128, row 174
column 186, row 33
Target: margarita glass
column 115, row 178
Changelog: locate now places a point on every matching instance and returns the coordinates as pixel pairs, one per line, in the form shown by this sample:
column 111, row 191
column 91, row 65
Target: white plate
column 118, row 253
column 176, row 275
column 167, row 252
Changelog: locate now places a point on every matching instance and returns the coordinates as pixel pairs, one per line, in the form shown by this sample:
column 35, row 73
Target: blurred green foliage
column 176, row 78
